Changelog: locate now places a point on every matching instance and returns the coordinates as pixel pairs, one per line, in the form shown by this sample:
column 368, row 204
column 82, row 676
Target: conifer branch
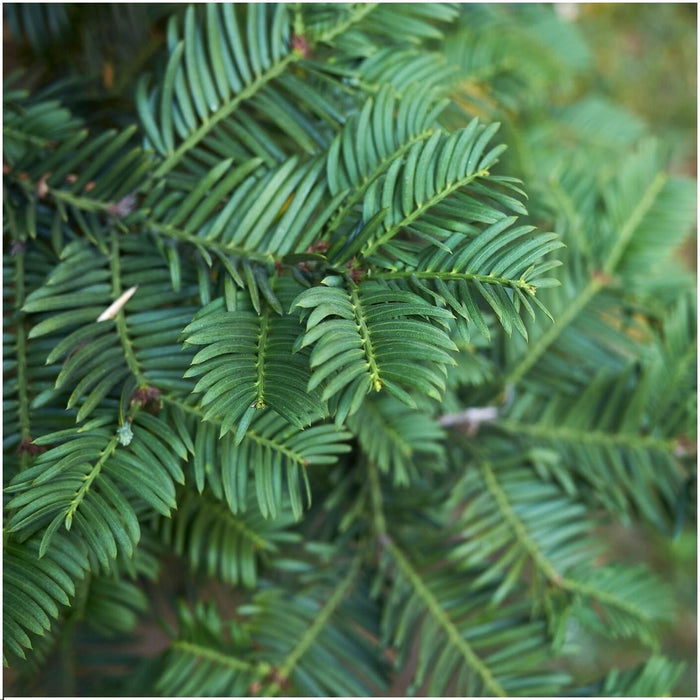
column 384, row 164
column 359, row 12
column 251, row 434
column 541, row 561
column 549, row 337
column 226, row 109
column 587, row 437
column 94, row 472
column 214, row 246
column 218, row 657
column 595, row 284
column 431, row 602
column 325, row 248
column 375, row 379
column 406, row 221
column 433, row 606
column 446, row 276
column 624, row 237
column 119, row 319
column 319, row 624
column 275, row 70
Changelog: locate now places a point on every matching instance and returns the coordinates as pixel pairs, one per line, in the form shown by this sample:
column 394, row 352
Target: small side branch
column 316, row 628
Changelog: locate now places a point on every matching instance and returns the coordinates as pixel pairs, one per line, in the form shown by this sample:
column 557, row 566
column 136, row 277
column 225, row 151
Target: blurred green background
column 646, row 60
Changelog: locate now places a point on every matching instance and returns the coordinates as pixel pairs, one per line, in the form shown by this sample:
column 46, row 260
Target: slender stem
column 89, row 478
column 587, row 437
column 537, row 349
column 443, row 619
column 363, row 330
column 225, row 248
column 250, row 433
column 384, row 165
column 420, row 210
column 538, row 557
column 263, row 340
column 606, row 598
column 316, row 628
column 449, row 276
column 211, row 655
column 431, row 602
column 516, row 525
column 119, row 319
column 239, row 524
column 360, row 11
column 224, row 111
column 375, row 491
column 630, row 226
column 83, row 203
column 277, row 446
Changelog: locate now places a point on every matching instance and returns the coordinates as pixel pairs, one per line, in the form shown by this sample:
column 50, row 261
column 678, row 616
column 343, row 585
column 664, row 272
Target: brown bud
column 602, row 278
column 27, row 446
column 318, row 247
column 277, row 678
column 301, row 45
column 149, row 398
column 356, row 273
column 108, row 75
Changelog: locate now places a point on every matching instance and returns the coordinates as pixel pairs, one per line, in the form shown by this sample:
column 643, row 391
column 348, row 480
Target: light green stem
column 211, row 655
column 596, row 283
column 89, row 478
column 467, row 276
column 119, row 319
column 275, row 70
column 541, row 562
column 250, row 433
column 432, row 604
column 207, row 244
column 587, row 437
column 263, row 339
column 224, row 111
column 420, row 210
column 363, row 330
column 383, row 166
column 319, row 623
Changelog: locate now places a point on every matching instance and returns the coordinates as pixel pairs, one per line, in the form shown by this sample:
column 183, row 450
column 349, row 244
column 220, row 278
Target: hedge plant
column 334, row 337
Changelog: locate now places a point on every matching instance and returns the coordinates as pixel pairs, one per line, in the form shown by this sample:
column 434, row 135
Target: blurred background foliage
column 645, row 59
